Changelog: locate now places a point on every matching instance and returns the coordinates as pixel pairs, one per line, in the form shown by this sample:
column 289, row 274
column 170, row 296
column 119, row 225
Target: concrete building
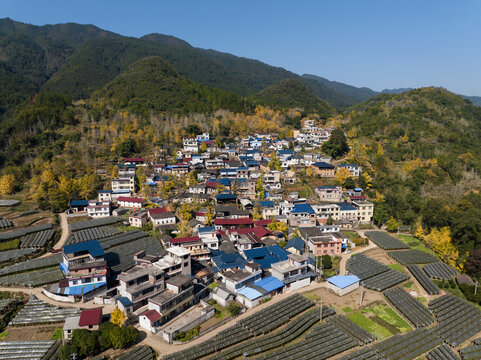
column 343, row 284
column 293, row 272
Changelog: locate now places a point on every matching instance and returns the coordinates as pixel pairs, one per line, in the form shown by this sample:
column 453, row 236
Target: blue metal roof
column 265, row 203
column 105, row 191
column 348, row 165
column 297, row 243
column 285, row 152
column 266, row 256
column 302, row 208
column 228, row 261
column 343, row 281
column 226, row 196
column 249, row 293
column 125, row 301
column 206, row 229
column 269, row 283
column 346, row 206
column 92, row 246
column 358, row 190
column 79, row 203
column 323, row 165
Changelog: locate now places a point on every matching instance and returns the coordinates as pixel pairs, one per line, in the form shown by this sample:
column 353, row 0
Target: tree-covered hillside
column 423, row 150
column 291, row 93
column 153, row 85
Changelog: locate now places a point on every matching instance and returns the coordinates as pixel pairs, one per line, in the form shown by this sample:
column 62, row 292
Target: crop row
column 386, row 241
column 411, row 308
column 442, row 352
column 412, row 257
column 424, row 280
column 439, row 270
column 457, row 319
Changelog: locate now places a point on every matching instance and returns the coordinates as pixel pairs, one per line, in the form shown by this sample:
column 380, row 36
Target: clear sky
column 374, row 43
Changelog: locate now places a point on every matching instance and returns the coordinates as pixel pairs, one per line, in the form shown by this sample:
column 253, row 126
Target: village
column 236, row 241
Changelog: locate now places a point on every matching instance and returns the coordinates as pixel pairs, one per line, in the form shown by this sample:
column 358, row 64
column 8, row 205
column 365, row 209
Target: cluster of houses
column 233, row 244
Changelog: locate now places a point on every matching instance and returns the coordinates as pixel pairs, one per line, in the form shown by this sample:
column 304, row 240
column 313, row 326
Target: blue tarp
column 81, row 289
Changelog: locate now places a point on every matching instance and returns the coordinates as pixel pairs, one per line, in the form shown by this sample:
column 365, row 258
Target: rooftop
column 343, row 281
column 179, row 280
column 90, row 317
column 92, row 246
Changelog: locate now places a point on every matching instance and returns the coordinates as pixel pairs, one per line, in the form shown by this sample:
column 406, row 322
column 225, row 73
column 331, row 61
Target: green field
column 415, row 244
column 380, row 320
column 398, row 267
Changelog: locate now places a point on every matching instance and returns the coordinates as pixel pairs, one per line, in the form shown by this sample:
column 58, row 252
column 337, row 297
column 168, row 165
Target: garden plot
column 36, row 240
column 31, row 350
column 350, row 328
column 5, row 224
column 373, row 274
column 442, row 352
column 424, row 280
column 365, row 353
column 408, row 346
column 34, row 278
column 386, row 241
column 15, row 254
column 82, row 225
column 457, row 319
column 16, row 234
column 471, row 352
column 323, row 342
column 139, row 353
column 38, row 312
column 95, row 233
column 261, row 322
column 412, row 257
column 440, row 271
column 409, row 307
column 32, row 264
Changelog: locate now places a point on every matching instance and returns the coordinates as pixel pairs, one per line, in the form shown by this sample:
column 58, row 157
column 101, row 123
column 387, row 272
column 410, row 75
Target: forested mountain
column 423, row 149
column 153, row 85
column 291, row 93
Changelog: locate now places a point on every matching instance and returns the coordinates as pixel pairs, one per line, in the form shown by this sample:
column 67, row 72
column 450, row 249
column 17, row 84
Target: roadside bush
column 233, row 308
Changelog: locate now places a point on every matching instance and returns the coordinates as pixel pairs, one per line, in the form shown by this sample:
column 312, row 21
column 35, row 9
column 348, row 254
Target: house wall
column 145, row 323
column 344, row 291
column 298, row 284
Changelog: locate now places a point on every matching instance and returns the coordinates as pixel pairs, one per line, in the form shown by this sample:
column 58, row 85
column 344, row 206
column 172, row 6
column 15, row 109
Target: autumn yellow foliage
column 441, row 243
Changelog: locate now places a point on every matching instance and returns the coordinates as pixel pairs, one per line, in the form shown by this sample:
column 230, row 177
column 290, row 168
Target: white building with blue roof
column 254, row 294
column 343, row 284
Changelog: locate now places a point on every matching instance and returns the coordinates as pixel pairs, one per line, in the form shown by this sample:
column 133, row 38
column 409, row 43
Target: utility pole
column 320, row 309
column 362, row 294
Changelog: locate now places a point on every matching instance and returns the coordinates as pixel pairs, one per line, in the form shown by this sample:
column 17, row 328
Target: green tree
column 274, row 163
column 392, row 225
column 233, row 308
column 337, row 144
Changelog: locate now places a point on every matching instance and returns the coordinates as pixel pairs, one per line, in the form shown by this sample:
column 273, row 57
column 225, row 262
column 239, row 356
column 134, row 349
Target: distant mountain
column 292, row 93
column 476, row 100
column 396, row 91
column 152, row 84
column 353, row 94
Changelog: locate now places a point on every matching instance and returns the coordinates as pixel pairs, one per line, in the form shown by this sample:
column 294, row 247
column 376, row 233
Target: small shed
column 343, row 284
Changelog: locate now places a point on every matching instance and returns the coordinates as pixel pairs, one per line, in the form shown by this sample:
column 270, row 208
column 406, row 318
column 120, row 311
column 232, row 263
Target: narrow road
column 65, row 231
column 357, row 250
column 159, row 345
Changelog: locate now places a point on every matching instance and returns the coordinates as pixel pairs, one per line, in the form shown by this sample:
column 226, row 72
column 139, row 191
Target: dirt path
column 65, row 231
column 357, row 250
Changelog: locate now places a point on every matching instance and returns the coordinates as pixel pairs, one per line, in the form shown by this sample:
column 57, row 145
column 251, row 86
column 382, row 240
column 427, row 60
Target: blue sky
column 379, row 43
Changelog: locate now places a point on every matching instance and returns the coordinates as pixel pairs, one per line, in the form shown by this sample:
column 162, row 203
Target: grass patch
column 57, row 334
column 422, row 300
column 348, row 309
column 415, row 244
column 380, row 320
column 367, row 324
column 408, row 285
column 313, row 297
column 3, row 335
column 220, row 312
column 212, row 286
column 398, row 267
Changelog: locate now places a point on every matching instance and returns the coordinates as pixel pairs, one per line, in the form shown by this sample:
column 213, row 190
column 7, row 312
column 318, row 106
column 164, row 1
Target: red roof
column 211, row 184
column 134, row 159
column 258, row 230
column 199, row 213
column 262, row 222
column 238, row 221
column 152, row 315
column 90, row 317
column 157, row 211
column 184, row 240
column 130, row 199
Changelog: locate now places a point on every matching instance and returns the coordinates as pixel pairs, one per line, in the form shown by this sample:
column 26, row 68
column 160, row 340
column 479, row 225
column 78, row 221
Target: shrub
column 233, row 308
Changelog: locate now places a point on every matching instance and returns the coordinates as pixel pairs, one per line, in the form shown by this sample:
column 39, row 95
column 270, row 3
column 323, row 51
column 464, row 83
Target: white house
column 98, row 209
column 131, row 202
